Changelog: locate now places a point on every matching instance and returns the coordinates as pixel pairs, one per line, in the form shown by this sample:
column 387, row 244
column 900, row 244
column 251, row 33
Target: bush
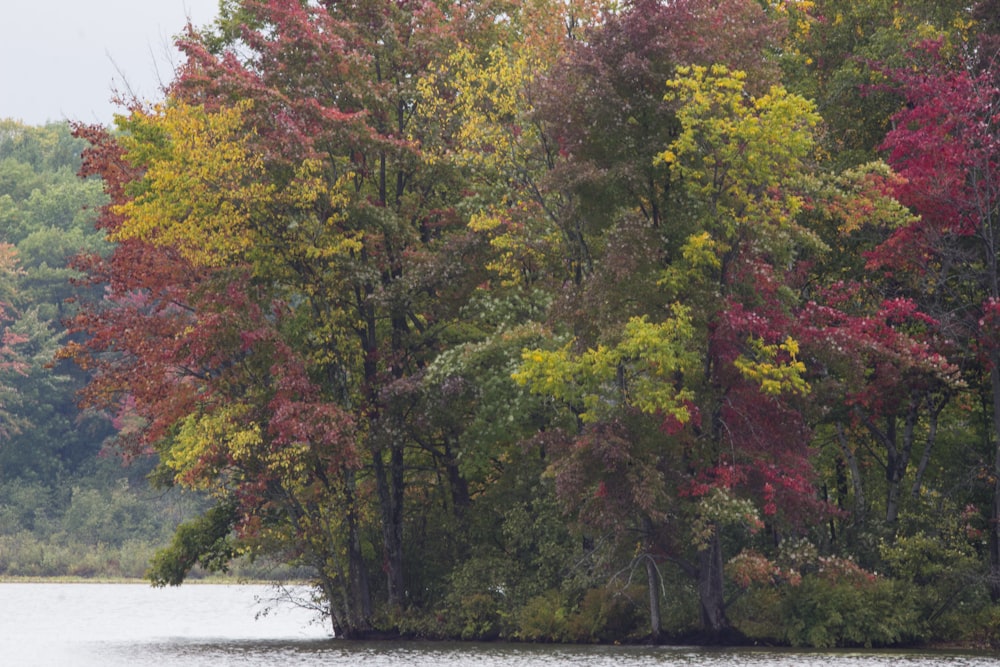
column 825, row 612
column 26, row 555
column 477, row 603
column 757, row 614
column 543, row 618
column 603, row 615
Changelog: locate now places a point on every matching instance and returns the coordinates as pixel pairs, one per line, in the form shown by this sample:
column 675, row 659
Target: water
column 119, row 625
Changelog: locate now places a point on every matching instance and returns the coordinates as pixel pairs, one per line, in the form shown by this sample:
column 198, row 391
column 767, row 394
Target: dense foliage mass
column 565, row 320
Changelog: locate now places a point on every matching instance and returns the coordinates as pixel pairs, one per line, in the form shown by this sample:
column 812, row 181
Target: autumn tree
column 286, row 261
column 835, row 54
column 716, row 368
column 558, row 150
column 944, row 144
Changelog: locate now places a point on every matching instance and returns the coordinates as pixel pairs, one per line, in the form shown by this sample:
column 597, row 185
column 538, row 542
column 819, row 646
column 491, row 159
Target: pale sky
column 61, row 59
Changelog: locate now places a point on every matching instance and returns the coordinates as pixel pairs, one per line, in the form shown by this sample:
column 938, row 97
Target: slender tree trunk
column 360, row 610
column 860, row 503
column 714, row 623
column 994, row 577
column 928, row 446
column 389, row 482
column 460, row 498
column 898, row 464
column 653, row 581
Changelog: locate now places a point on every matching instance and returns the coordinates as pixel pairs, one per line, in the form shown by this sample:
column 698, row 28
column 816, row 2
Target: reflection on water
column 337, row 654
column 117, row 625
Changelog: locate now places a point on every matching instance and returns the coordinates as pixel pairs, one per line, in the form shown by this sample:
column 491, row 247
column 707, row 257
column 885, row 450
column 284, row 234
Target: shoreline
column 394, row 637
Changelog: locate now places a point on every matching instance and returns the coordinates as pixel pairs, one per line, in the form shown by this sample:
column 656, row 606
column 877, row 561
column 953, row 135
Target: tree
column 835, row 55
column 192, row 348
column 944, row 144
column 284, row 181
column 10, row 360
column 720, row 372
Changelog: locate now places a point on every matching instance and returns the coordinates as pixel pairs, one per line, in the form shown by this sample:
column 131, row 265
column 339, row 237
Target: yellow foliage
column 738, row 154
column 481, row 105
column 201, row 184
column 774, row 376
column 228, row 433
column 199, row 438
column 642, row 370
column 702, row 250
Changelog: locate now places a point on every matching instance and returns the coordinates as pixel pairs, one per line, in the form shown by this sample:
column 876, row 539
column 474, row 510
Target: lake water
column 133, row 625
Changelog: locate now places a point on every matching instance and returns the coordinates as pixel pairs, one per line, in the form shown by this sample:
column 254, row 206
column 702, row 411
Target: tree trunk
column 390, row 490
column 360, row 609
column 932, row 427
column 860, row 503
column 994, row 576
column 896, row 463
column 460, row 498
column 653, row 581
column 714, row 623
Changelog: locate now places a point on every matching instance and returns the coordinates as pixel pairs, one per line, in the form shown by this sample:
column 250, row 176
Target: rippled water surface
column 112, row 625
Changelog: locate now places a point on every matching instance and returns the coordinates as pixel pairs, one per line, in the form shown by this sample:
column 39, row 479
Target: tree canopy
column 572, row 320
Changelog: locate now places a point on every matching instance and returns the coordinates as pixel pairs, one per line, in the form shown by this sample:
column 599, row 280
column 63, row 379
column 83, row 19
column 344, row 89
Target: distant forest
column 64, row 510
column 536, row 320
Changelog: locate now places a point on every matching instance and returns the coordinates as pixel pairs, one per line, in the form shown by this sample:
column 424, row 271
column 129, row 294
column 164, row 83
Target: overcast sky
column 61, row 59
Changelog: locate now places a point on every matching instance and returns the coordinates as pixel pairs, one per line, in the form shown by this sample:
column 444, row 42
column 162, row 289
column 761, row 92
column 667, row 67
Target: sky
column 62, row 59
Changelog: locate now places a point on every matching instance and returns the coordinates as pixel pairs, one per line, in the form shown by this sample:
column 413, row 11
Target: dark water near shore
column 112, row 625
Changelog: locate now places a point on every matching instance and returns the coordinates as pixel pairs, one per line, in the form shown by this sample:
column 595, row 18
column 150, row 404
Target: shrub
column 543, row 618
column 603, row 615
column 826, row 611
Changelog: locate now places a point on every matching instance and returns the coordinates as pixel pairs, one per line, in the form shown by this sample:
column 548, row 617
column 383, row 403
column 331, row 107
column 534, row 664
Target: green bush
column 825, row 612
column 543, row 618
column 481, row 616
column 477, row 603
column 603, row 615
column 757, row 614
column 983, row 628
column 24, row 554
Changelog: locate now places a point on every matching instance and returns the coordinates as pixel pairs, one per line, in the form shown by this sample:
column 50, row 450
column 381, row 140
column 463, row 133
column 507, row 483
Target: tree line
column 568, row 321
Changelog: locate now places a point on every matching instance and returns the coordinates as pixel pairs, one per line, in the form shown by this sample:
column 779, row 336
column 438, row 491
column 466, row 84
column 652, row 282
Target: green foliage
column 718, row 509
column 477, row 605
column 26, row 554
column 601, row 615
column 48, row 213
column 822, row 612
column 204, row 541
column 99, row 525
column 543, row 618
column 25, row 506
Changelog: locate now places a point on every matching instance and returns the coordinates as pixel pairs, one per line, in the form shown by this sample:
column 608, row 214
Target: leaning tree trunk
column 653, row 584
